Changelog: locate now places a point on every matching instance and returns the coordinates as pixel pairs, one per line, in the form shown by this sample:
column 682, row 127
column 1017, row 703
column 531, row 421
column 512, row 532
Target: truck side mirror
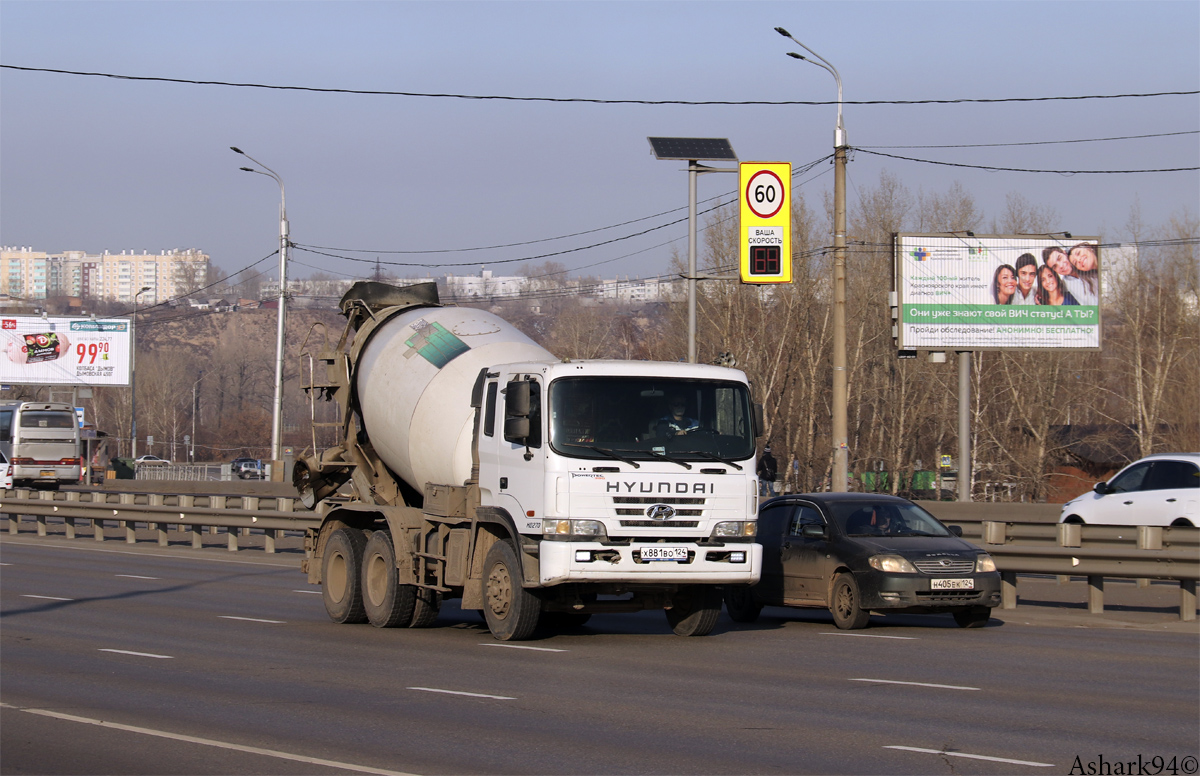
column 516, row 399
column 759, row 422
column 516, row 430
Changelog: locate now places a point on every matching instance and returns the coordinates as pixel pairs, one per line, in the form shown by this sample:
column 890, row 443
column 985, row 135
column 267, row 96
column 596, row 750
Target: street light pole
column 841, row 450
column 133, row 377
column 277, row 405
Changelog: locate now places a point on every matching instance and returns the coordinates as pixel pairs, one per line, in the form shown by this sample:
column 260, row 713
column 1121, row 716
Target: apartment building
column 31, row 274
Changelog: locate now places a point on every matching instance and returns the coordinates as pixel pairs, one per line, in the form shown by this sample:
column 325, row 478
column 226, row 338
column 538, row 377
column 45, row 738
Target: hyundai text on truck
column 475, row 465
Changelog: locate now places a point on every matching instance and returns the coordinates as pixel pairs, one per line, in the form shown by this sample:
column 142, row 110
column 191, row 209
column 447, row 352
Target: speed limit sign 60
column 764, row 194
column 766, row 223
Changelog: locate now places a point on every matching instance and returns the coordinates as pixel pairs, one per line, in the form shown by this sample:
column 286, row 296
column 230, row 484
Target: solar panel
column 692, row 148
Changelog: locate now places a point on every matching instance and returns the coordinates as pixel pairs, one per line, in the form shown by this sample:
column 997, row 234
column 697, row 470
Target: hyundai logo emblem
column 660, row 512
column 945, row 562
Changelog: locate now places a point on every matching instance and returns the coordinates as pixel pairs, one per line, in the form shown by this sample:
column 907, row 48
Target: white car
column 6, row 473
column 1161, row 489
column 151, row 460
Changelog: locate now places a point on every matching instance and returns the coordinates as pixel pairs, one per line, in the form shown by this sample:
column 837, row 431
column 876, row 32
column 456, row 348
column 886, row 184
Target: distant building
column 31, row 274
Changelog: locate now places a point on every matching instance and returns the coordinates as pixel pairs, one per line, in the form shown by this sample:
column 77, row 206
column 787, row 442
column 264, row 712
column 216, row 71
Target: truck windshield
column 644, row 418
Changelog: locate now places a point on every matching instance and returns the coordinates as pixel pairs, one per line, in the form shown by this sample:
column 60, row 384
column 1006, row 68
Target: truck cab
column 624, row 470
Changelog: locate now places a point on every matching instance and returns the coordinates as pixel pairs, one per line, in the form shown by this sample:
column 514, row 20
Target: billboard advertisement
column 64, row 351
column 996, row 292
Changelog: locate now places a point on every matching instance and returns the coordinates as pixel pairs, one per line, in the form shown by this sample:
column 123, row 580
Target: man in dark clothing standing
column 767, row 469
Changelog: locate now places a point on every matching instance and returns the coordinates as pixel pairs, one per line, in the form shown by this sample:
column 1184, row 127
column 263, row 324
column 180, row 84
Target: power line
column 1021, row 169
column 592, row 100
column 1042, row 142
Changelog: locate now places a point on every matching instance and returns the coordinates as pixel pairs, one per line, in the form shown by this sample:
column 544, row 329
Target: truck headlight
column 565, row 529
column 731, row 529
column 984, row 563
column 893, row 564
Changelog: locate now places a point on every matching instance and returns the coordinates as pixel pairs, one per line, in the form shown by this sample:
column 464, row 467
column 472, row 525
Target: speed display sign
column 765, row 234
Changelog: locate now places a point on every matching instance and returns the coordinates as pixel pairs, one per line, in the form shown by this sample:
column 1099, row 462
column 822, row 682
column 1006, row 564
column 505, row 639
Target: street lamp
column 841, row 451
column 277, row 406
column 133, row 377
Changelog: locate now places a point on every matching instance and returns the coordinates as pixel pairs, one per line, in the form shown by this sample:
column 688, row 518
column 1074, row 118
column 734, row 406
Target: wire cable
column 1043, row 142
column 592, row 100
column 1022, row 169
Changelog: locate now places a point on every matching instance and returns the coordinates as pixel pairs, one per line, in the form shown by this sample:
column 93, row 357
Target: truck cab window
column 489, row 410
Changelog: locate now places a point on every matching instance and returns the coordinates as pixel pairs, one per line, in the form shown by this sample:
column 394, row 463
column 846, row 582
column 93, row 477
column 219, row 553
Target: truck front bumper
column 562, row 562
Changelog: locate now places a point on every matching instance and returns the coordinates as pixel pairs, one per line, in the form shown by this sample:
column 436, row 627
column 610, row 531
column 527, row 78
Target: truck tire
column 695, row 611
column 387, row 602
column 740, row 603
column 511, row 611
column 846, row 604
column 341, row 570
column 426, row 607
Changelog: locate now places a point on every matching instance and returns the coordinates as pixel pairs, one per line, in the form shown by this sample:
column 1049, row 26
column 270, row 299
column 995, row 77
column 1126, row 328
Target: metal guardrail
column 1093, row 551
column 159, row 512
column 1036, row 545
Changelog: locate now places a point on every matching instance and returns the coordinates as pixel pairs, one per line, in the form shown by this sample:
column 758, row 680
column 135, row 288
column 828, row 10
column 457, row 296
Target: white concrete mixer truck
column 476, row 465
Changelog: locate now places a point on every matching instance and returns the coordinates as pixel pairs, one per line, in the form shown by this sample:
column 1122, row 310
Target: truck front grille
column 658, row 523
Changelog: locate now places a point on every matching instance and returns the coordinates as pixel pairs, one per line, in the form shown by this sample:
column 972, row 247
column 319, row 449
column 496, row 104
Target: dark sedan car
column 855, row 553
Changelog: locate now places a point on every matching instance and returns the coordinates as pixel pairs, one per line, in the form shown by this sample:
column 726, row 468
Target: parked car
column 6, row 472
column 153, row 460
column 855, row 553
column 236, row 463
column 1161, row 489
column 250, row 470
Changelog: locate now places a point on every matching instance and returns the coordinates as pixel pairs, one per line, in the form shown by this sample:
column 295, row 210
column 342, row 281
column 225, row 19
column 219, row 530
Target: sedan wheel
column 846, row 605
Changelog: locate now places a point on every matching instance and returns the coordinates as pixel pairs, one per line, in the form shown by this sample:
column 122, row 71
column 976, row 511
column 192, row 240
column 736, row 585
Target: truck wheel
column 846, row 608
column 425, row 611
column 340, row 573
column 511, row 611
column 695, row 611
column 740, row 604
column 973, row 617
column 387, row 602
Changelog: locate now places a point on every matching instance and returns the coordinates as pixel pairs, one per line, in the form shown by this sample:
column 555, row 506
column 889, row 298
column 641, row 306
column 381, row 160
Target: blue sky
column 100, row 164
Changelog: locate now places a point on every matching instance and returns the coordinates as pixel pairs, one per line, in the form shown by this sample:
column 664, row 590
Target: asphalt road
column 132, row 660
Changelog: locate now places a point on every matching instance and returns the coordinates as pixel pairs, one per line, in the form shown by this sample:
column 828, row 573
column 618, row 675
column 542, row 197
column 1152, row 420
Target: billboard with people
column 960, row 291
column 36, row 350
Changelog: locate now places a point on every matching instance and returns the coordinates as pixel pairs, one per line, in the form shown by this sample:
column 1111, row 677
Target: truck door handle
column 1170, row 501
column 503, row 483
column 1128, row 502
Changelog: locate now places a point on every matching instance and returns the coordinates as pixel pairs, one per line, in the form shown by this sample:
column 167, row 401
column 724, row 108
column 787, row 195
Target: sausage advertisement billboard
column 64, row 351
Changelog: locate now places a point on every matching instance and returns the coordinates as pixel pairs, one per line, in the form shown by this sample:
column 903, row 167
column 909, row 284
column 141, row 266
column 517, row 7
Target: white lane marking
column 521, row 646
column 48, row 597
column 314, row 592
column 868, row 636
column 5, row 564
column 210, row 742
column 135, row 576
column 468, row 694
column 251, row 619
column 972, row 756
column 916, row 684
column 139, row 654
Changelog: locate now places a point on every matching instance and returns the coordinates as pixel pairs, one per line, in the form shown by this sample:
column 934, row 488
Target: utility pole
column 841, row 449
